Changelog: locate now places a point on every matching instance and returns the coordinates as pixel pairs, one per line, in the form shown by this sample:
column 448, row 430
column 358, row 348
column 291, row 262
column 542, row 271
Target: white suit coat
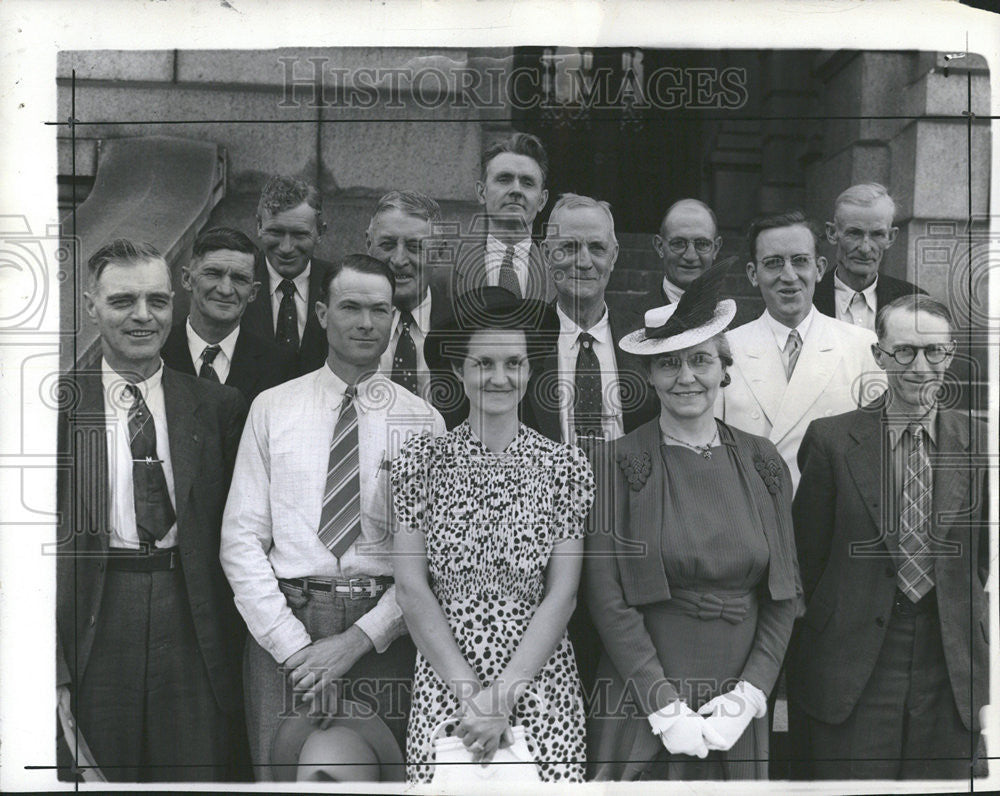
column 835, row 373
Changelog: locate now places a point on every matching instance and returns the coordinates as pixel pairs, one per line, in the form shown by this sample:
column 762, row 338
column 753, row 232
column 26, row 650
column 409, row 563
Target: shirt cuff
column 384, row 623
column 286, row 644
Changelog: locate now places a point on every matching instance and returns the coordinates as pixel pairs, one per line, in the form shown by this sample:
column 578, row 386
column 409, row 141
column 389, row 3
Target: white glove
column 682, row 731
column 729, row 714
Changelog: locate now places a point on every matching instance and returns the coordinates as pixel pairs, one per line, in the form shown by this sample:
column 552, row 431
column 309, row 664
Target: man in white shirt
column 306, row 538
column 862, row 231
column 688, row 243
column 211, row 342
column 580, row 250
column 148, row 639
column 512, row 192
column 793, row 364
column 289, row 226
column 400, row 234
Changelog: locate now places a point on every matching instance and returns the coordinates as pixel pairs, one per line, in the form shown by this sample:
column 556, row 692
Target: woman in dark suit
column 692, row 581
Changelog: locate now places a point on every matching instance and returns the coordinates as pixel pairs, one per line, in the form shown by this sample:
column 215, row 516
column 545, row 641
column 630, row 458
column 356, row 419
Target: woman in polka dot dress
column 488, row 555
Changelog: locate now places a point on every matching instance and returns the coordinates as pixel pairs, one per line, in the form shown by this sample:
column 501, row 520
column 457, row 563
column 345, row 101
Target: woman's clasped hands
column 716, row 726
column 484, row 725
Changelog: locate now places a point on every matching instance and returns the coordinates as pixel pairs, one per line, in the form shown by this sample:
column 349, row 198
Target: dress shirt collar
column 673, row 292
column 495, row 246
column 195, row 343
column 114, row 384
column 781, row 332
column 897, row 422
column 600, row 331
column 421, row 314
column 301, row 281
column 373, row 391
column 844, row 293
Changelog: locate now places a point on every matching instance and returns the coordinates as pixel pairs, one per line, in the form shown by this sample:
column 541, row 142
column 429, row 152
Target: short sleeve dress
column 491, row 522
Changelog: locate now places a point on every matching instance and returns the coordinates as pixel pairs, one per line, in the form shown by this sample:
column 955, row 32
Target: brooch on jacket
column 769, row 470
column 636, row 468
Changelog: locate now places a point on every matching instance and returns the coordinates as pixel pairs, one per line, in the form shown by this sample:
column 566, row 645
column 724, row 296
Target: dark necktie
column 914, row 576
column 207, row 358
column 287, row 330
column 508, row 276
column 154, row 514
column 587, row 404
column 340, row 519
column 404, row 360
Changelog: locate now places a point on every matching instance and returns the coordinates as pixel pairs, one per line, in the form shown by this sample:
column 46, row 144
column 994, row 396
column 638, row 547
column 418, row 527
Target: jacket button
column 879, row 621
column 100, row 566
column 756, row 415
column 92, row 621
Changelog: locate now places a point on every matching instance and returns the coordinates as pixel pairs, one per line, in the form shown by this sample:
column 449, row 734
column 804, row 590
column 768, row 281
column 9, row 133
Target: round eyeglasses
column 680, row 245
column 935, row 354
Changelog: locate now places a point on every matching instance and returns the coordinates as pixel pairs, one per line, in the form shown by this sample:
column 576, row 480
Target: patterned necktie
column 154, row 514
column 340, row 519
column 404, row 360
column 587, row 403
column 207, row 358
column 287, row 330
column 914, row 576
column 793, row 347
column 508, row 276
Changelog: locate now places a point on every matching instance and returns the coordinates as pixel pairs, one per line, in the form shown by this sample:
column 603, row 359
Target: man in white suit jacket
column 793, row 364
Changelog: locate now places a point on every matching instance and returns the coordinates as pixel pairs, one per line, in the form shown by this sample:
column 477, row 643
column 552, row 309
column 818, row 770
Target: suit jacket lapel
column 88, row 444
column 177, row 351
column 765, row 372
column 182, row 408
column 864, row 461
column 952, row 473
column 823, row 298
column 243, row 371
column 813, row 371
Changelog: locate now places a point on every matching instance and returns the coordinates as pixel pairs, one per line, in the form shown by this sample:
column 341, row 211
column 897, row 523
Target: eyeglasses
column 776, row 263
column 671, row 364
column 935, row 354
column 680, row 245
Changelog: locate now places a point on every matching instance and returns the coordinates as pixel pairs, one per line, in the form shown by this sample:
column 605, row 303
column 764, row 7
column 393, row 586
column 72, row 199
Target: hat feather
column 697, row 305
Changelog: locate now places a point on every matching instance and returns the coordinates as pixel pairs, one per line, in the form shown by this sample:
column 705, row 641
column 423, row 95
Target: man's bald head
column 688, row 241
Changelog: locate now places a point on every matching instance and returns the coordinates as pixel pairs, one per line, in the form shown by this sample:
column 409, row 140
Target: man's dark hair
column 221, row 239
column 518, row 144
column 120, row 250
column 361, row 263
column 791, row 218
column 282, row 193
column 911, row 302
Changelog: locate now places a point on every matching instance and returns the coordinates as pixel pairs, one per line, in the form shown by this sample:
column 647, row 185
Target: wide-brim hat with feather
column 697, row 317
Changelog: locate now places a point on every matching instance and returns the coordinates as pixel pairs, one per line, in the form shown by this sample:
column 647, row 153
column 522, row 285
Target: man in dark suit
column 211, row 343
column 400, row 234
column 861, row 231
column 589, row 388
column 148, row 638
column 289, row 225
column 890, row 664
column 512, row 192
column 688, row 243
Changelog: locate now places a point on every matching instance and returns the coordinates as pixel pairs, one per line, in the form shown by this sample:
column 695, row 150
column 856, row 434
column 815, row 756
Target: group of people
column 345, row 509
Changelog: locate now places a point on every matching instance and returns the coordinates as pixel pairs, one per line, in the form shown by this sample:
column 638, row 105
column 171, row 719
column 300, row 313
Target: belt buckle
column 361, row 585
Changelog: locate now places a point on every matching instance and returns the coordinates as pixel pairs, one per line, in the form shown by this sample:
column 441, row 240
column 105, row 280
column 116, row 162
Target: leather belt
column 904, row 606
column 706, row 606
column 352, row 588
column 155, row 560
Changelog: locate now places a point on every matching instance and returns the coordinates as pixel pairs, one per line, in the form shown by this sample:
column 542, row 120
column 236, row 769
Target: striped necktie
column 207, row 358
column 340, row 519
column 914, row 576
column 793, row 346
